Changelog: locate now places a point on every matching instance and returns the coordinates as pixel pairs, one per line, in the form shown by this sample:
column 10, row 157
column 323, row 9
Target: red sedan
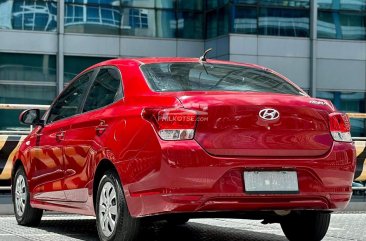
column 175, row 138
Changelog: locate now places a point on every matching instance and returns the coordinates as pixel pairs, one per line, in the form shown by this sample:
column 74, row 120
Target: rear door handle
column 100, row 129
column 60, row 136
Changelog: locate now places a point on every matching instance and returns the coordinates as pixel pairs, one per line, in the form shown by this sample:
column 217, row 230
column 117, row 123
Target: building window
column 28, row 15
column 166, row 19
column 190, row 5
column 104, row 18
column 340, row 19
column 138, row 22
column 75, row 65
column 25, row 79
column 285, row 3
column 217, row 22
column 341, row 25
column 284, row 22
column 245, row 20
column 264, row 17
column 189, row 25
column 354, row 5
column 139, row 18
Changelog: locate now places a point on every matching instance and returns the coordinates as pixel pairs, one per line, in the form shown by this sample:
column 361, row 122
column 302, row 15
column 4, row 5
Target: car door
column 86, row 137
column 47, row 155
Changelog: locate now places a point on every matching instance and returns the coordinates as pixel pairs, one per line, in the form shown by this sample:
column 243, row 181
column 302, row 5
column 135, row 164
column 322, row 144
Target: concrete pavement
column 344, row 226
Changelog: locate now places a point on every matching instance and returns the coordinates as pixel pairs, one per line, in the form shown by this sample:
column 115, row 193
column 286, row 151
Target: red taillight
column 172, row 123
column 340, row 127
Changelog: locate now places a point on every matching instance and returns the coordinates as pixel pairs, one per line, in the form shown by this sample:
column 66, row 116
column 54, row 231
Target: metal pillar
column 313, row 46
column 60, row 45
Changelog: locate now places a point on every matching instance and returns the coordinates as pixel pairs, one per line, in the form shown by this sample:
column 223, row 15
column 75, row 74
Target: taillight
column 172, row 124
column 340, row 127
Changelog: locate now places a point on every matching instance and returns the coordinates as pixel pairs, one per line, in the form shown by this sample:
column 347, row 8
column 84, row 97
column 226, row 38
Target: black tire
column 126, row 227
column 306, row 226
column 30, row 217
column 177, row 220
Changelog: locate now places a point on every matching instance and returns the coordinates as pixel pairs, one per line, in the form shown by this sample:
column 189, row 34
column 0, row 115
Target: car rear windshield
column 172, row 77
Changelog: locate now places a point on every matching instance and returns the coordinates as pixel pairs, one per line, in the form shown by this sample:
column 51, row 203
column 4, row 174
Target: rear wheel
column 24, row 213
column 306, row 226
column 114, row 221
column 177, row 220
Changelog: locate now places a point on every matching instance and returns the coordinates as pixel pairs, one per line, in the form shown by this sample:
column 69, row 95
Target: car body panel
column 234, row 127
column 46, row 153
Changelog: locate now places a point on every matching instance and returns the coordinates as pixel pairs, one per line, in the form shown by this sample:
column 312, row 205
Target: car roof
column 156, row 60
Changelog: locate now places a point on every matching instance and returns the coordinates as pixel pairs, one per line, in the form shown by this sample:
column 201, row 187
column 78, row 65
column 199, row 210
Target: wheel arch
column 17, row 163
column 103, row 166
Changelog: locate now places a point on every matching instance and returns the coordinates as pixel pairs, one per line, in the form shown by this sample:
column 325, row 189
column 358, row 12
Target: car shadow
column 159, row 231
column 83, row 229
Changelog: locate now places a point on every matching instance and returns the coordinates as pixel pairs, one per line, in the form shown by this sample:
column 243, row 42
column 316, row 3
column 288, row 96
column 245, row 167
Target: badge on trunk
column 269, row 114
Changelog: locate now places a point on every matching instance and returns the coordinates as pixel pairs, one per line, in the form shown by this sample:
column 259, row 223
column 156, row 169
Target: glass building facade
column 31, row 77
column 337, row 19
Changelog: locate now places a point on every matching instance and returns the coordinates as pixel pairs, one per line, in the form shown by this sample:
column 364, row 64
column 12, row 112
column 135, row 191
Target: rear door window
column 105, row 90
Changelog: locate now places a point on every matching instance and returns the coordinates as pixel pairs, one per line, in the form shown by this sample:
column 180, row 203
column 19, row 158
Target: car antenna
column 203, row 57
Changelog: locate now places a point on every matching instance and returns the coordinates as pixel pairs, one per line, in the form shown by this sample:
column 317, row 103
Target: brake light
column 172, row 124
column 340, row 127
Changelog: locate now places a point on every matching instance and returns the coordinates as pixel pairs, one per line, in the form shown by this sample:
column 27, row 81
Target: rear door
column 47, row 155
column 90, row 132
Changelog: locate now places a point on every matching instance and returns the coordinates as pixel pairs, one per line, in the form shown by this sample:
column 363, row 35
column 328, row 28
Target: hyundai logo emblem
column 269, row 114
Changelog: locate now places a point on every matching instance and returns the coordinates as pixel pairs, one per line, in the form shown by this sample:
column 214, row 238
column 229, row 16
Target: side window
column 69, row 101
column 105, row 90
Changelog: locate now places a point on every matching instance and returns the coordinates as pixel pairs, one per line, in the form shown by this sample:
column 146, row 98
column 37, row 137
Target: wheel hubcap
column 108, row 209
column 20, row 195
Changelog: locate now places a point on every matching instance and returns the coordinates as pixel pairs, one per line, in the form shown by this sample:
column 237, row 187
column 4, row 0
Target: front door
column 47, row 161
column 47, row 156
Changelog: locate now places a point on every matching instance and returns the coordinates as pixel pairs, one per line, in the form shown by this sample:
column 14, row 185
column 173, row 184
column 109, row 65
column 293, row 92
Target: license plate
column 271, row 182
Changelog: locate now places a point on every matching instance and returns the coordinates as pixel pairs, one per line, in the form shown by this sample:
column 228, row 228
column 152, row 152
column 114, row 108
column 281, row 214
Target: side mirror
column 31, row 117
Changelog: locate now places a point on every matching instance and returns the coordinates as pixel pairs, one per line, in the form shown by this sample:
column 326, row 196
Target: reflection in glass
column 285, row 3
column 252, row 2
column 25, row 79
column 340, row 25
column 348, row 102
column 189, row 25
column 211, row 24
column 169, row 4
column 211, row 4
column 223, row 21
column 139, row 3
column 22, row 94
column 355, row 5
column 284, row 22
column 138, row 22
column 190, row 4
column 166, row 24
column 28, row 15
column 245, row 20
column 27, row 67
column 81, row 18
column 26, row 94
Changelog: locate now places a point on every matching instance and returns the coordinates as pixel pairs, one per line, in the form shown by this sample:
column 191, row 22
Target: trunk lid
column 230, row 124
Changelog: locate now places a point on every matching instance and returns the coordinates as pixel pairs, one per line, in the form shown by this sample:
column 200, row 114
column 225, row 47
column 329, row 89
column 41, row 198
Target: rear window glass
column 171, row 77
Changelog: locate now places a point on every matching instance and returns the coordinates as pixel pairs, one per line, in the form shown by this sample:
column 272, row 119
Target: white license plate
column 271, row 182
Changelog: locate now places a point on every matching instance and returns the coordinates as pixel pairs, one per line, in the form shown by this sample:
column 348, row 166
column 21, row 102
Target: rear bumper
column 183, row 178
